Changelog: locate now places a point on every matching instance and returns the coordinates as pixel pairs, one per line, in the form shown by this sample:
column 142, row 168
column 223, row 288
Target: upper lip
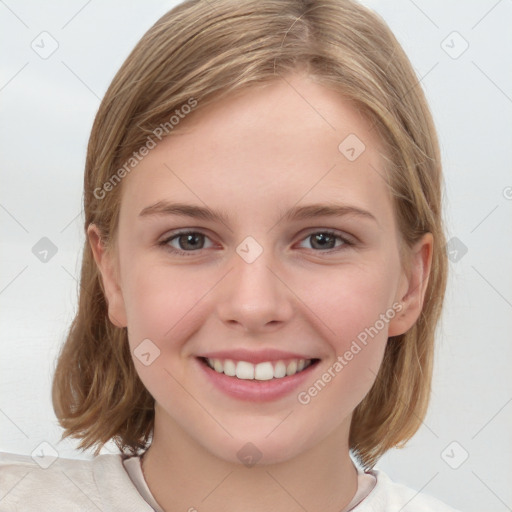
column 253, row 356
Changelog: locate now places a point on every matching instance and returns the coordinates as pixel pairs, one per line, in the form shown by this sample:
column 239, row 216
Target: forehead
column 264, row 148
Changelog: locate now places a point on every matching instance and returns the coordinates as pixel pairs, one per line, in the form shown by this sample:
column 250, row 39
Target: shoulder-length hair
column 204, row 50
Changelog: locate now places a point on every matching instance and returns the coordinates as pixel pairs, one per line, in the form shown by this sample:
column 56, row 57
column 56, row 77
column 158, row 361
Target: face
column 270, row 280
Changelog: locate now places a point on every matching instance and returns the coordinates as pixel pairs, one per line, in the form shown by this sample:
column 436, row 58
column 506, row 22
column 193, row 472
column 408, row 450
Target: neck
column 183, row 475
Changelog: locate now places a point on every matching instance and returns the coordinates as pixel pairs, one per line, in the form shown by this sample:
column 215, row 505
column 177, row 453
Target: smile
column 255, row 376
column 265, row 370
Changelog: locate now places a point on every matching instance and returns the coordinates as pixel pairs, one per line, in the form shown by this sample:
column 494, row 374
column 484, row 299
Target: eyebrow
column 311, row 211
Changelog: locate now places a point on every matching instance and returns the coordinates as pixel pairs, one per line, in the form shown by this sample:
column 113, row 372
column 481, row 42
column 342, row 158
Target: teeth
column 244, row 370
column 279, row 370
column 229, row 368
column 291, row 369
column 261, row 371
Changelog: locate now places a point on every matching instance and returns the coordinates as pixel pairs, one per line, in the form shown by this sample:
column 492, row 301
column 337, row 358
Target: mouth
column 262, row 375
column 262, row 371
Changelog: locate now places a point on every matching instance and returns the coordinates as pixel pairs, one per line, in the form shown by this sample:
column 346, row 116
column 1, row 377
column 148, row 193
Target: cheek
column 164, row 306
column 163, row 303
column 354, row 301
column 356, row 308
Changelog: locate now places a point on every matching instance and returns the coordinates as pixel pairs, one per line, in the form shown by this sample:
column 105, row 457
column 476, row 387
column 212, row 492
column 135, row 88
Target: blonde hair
column 206, row 50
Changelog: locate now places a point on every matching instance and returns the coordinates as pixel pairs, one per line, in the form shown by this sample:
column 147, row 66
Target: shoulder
column 391, row 496
column 63, row 482
column 66, row 484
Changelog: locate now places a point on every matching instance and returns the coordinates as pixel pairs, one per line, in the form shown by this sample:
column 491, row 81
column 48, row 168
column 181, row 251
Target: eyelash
column 346, row 242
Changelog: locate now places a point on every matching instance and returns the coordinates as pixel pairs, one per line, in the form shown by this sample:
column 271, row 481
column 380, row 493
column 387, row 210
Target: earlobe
column 109, row 276
column 412, row 299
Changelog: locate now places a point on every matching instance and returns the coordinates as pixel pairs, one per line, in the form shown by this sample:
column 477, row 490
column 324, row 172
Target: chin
column 257, row 450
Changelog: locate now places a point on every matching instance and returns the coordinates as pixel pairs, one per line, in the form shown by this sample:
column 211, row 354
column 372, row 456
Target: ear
column 412, row 288
column 109, row 275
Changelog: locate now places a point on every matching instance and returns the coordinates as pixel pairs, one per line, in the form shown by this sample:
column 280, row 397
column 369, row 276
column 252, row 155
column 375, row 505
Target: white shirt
column 365, row 483
column 106, row 483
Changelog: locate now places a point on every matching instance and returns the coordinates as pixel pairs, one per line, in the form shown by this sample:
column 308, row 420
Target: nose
column 254, row 297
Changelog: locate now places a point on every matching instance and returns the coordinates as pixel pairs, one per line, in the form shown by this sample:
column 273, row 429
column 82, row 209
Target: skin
column 255, row 155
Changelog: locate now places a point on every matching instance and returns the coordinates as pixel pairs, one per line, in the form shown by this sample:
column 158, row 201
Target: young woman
column 263, row 272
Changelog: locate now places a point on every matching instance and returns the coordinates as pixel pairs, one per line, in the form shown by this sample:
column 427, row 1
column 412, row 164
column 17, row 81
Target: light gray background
column 47, row 108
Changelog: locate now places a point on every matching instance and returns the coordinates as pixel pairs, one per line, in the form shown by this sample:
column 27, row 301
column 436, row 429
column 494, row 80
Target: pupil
column 323, row 238
column 189, row 238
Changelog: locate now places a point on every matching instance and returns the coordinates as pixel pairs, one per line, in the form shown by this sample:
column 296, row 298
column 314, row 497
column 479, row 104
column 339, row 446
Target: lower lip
column 256, row 390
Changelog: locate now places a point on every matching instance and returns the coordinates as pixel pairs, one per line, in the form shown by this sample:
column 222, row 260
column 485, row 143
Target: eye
column 325, row 241
column 188, row 242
